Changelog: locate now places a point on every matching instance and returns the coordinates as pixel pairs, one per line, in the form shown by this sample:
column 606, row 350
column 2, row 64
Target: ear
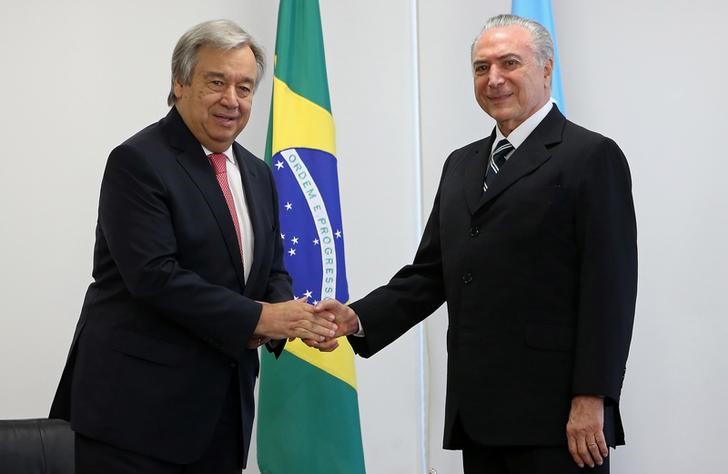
column 178, row 89
column 548, row 70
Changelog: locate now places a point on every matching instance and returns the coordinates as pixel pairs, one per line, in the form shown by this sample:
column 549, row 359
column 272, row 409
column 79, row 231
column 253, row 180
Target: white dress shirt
column 521, row 132
column 235, row 182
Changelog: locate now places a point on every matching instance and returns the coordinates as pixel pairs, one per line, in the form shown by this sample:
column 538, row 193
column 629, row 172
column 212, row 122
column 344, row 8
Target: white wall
column 80, row 76
column 650, row 75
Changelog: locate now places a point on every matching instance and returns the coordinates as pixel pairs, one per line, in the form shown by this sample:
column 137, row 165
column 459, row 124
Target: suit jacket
column 539, row 275
column 164, row 325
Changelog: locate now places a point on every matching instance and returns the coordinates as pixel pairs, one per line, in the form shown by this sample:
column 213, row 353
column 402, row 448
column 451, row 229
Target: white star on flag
column 305, row 219
column 279, row 165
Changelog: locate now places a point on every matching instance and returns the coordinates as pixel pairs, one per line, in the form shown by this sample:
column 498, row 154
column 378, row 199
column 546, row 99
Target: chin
column 500, row 117
column 226, row 135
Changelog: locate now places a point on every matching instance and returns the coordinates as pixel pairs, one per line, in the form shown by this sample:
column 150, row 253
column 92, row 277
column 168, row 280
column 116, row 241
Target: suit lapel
column 192, row 158
column 252, row 193
column 532, row 153
column 474, row 173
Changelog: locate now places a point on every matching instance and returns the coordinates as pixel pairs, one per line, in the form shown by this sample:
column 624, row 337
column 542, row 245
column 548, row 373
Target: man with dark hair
column 188, row 280
column 531, row 242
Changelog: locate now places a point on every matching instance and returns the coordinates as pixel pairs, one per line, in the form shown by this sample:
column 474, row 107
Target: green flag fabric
column 308, row 414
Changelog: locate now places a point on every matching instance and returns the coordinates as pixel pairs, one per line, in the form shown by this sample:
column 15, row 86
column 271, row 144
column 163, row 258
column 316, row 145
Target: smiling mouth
column 499, row 98
column 225, row 119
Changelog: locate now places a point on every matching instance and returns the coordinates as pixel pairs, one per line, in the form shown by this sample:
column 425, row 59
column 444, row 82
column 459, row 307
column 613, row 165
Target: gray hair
column 219, row 34
column 542, row 44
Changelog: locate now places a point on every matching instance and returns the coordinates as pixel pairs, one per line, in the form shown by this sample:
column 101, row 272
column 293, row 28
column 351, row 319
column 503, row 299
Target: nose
column 495, row 77
column 229, row 98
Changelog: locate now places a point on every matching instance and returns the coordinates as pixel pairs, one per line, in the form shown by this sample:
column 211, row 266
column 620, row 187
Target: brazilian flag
column 308, row 414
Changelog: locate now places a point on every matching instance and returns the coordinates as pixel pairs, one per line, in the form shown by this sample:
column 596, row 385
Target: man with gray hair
column 188, row 280
column 531, row 242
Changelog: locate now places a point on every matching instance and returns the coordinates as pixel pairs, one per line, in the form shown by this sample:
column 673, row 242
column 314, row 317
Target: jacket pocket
column 148, row 348
column 552, row 337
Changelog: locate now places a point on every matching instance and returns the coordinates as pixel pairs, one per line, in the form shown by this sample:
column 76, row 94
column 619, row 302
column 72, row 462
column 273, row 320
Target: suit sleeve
column 607, row 240
column 414, row 293
column 138, row 229
column 279, row 287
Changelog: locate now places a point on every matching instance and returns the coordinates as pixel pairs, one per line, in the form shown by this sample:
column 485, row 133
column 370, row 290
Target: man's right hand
column 295, row 318
column 345, row 318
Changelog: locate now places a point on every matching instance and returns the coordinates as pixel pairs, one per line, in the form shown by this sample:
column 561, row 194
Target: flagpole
column 417, row 166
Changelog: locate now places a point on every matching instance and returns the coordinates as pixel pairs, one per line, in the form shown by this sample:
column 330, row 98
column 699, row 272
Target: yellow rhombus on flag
column 308, row 413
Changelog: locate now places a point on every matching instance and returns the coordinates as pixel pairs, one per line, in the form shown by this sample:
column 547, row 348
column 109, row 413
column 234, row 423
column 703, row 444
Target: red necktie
column 218, row 161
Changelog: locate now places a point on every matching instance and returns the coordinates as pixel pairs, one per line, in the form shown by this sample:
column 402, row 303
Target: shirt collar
column 521, row 132
column 228, row 154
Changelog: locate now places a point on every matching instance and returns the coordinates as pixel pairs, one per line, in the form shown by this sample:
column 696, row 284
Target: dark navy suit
column 164, row 325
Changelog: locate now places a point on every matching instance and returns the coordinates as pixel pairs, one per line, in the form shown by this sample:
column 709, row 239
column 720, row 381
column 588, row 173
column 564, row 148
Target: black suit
column 164, row 326
column 539, row 275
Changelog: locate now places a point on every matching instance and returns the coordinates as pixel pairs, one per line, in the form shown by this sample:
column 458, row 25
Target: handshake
column 317, row 326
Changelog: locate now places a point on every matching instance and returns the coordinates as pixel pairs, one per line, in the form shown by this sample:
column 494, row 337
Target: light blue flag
column 540, row 10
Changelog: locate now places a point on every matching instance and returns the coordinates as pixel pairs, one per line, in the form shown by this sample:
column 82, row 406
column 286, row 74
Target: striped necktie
column 496, row 161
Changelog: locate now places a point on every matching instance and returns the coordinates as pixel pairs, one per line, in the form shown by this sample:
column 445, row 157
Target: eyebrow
column 220, row 75
column 511, row 56
column 501, row 58
column 213, row 74
column 505, row 57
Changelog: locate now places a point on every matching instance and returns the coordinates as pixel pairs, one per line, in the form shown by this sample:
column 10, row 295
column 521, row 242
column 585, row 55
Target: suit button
column 233, row 365
column 474, row 231
column 467, row 278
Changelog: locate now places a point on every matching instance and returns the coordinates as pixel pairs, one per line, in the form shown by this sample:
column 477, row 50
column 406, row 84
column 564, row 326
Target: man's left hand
column 585, row 430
